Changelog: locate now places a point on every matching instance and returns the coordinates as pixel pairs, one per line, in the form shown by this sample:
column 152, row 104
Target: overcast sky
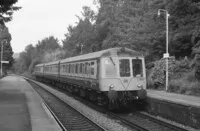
column 42, row 18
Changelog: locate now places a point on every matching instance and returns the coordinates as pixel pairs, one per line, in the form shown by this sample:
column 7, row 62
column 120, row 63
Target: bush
column 185, row 85
column 156, row 75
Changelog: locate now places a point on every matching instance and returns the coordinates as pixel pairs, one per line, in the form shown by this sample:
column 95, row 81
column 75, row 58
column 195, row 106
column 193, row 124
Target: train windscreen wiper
column 112, row 61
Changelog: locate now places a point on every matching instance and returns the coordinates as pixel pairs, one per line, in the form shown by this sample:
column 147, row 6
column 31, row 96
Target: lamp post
column 2, row 55
column 166, row 55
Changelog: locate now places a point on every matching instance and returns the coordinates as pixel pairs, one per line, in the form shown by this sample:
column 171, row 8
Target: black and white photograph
column 99, row 65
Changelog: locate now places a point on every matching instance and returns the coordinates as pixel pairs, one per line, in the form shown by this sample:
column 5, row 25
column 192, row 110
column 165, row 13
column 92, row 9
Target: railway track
column 68, row 118
column 144, row 122
column 137, row 121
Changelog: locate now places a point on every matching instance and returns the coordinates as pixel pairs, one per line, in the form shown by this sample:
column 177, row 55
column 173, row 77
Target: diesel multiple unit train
column 113, row 76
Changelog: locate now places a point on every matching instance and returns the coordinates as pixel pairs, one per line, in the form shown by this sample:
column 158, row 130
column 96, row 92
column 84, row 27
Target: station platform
column 175, row 98
column 180, row 108
column 22, row 109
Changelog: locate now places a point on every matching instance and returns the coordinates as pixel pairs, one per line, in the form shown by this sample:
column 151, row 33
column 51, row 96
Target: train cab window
column 137, row 67
column 124, row 67
column 110, row 68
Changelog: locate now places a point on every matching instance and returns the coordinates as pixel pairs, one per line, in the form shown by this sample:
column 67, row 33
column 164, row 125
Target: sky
column 39, row 19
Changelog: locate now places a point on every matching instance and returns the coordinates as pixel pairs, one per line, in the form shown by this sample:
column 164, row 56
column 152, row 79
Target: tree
column 81, row 36
column 6, row 10
column 5, row 39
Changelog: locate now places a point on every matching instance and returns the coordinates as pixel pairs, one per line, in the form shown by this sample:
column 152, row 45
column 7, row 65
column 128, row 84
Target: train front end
column 123, row 76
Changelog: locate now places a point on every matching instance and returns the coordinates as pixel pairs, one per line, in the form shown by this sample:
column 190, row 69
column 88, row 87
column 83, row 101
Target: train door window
column 137, row 67
column 92, row 68
column 110, row 68
column 124, row 67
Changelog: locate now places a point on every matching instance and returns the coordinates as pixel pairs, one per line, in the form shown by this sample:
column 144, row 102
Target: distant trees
column 133, row 24
column 45, row 50
column 6, row 11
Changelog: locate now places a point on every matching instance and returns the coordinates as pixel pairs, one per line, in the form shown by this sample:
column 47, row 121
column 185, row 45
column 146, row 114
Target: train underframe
column 111, row 99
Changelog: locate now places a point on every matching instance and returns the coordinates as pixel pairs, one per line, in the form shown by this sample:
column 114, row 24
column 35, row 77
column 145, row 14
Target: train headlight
column 111, row 87
column 140, row 86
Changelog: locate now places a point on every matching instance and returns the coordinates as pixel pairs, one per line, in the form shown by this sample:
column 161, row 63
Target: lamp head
column 158, row 12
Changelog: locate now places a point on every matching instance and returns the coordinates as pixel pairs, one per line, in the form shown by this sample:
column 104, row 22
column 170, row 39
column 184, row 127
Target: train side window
column 66, row 68
column 89, row 69
column 76, row 68
column 69, row 68
column 81, row 66
column 63, row 69
column 92, row 68
column 72, row 68
column 86, row 65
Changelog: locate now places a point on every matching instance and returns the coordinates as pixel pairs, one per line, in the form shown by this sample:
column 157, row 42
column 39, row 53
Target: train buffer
column 22, row 109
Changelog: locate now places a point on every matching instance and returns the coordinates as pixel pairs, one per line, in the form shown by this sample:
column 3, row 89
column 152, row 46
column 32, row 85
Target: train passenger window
column 86, row 65
column 69, row 68
column 137, row 67
column 76, row 71
column 66, row 68
column 81, row 66
column 110, row 68
column 89, row 69
column 78, row 66
column 124, row 67
column 92, row 68
column 63, row 69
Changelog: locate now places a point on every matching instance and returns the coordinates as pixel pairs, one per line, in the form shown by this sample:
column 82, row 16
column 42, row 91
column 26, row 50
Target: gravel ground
column 99, row 118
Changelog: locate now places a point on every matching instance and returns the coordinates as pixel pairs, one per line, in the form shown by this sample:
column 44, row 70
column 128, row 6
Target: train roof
column 93, row 55
column 103, row 53
column 39, row 64
column 52, row 63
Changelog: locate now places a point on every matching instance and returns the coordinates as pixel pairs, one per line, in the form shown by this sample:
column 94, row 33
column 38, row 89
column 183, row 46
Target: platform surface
column 175, row 98
column 22, row 109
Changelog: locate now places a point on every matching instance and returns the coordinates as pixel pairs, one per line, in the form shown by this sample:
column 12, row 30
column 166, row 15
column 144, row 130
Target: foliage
column 136, row 25
column 187, row 84
column 157, row 74
column 45, row 50
column 5, row 39
column 7, row 7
